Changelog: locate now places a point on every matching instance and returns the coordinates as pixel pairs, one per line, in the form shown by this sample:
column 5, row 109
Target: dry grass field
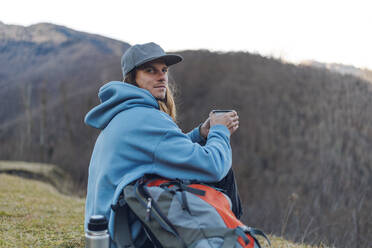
column 35, row 214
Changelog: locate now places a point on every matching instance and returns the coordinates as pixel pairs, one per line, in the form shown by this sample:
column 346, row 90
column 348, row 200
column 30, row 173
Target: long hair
column 167, row 105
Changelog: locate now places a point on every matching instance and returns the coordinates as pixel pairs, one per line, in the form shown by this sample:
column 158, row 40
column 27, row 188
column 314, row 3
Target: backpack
column 179, row 214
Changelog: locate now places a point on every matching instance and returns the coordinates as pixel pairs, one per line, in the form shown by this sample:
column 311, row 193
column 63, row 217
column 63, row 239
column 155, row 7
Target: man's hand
column 230, row 120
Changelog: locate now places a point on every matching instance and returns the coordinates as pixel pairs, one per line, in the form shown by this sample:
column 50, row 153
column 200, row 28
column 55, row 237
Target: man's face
column 153, row 76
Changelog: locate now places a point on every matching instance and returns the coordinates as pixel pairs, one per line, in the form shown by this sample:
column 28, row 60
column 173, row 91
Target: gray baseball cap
column 141, row 53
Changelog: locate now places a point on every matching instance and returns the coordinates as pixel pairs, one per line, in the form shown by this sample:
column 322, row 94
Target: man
column 139, row 135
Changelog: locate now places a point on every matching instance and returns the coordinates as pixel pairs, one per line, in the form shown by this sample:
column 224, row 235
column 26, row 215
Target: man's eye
column 149, row 70
column 165, row 70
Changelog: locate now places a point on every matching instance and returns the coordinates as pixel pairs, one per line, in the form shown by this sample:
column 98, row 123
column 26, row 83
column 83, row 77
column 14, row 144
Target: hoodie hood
column 115, row 97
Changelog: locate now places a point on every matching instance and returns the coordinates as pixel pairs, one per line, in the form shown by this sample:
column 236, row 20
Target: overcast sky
column 324, row 30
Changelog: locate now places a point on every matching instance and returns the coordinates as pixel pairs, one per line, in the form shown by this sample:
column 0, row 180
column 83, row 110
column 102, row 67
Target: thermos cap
column 97, row 223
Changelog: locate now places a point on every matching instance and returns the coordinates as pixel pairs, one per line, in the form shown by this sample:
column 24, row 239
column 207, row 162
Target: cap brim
column 169, row 59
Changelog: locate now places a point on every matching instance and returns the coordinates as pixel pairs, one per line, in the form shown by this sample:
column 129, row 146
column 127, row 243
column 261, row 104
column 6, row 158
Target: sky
column 330, row 31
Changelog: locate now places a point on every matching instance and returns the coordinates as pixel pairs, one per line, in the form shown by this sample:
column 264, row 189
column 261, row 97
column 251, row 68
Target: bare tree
column 27, row 98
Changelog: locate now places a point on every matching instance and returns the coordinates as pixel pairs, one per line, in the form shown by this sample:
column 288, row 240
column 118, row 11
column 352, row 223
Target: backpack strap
column 182, row 186
column 229, row 236
column 153, row 209
column 122, row 234
column 253, row 231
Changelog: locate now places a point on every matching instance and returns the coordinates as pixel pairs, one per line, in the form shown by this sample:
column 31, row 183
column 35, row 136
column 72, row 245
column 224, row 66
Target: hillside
column 341, row 68
column 302, row 152
column 42, row 217
column 38, row 58
column 47, row 173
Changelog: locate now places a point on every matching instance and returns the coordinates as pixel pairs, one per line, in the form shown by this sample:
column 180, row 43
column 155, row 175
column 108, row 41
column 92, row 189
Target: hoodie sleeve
column 195, row 136
column 176, row 156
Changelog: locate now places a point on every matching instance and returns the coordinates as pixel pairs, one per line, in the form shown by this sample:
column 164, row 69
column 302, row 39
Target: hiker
column 139, row 135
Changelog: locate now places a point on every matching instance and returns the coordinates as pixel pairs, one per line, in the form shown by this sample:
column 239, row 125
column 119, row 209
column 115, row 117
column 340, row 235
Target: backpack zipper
column 148, row 209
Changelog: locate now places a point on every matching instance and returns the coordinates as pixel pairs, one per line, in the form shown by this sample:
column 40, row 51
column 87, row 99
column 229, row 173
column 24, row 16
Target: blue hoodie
column 137, row 138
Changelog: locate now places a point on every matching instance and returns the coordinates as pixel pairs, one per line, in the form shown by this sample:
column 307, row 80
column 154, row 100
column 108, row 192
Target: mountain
column 301, row 155
column 341, row 68
column 41, row 55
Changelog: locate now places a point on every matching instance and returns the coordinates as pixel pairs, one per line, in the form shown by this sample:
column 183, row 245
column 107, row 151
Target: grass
column 35, row 214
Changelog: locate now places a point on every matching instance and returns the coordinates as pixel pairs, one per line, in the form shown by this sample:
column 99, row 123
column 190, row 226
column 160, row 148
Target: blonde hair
column 167, row 105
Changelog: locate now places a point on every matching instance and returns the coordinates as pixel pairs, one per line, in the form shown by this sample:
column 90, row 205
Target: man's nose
column 162, row 76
